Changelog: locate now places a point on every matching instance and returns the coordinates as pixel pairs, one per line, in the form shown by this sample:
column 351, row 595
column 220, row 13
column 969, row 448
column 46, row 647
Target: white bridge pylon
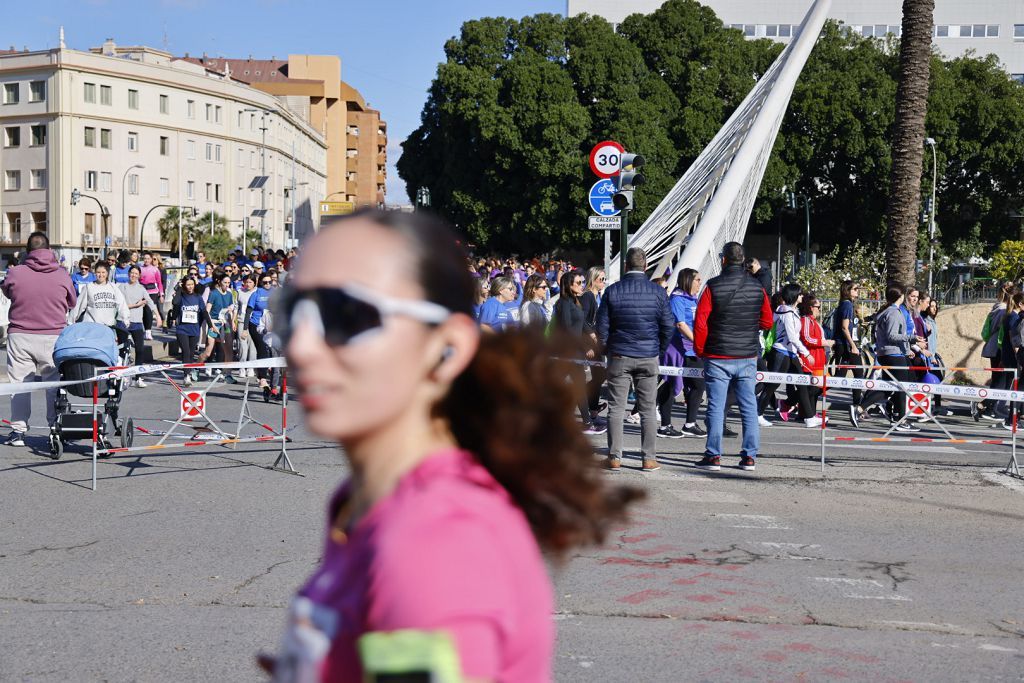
column 712, row 202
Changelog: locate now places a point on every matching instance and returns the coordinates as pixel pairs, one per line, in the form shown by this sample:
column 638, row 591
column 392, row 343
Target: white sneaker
column 812, row 422
column 633, row 418
column 763, row 422
column 149, row 334
column 250, row 373
column 188, row 381
column 139, row 383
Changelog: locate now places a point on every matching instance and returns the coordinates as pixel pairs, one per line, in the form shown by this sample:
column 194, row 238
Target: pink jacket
column 41, row 294
column 149, row 276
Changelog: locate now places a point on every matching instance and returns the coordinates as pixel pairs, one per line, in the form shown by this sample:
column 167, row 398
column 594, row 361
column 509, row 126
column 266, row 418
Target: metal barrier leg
column 1013, row 438
column 95, row 425
column 824, row 415
column 283, row 462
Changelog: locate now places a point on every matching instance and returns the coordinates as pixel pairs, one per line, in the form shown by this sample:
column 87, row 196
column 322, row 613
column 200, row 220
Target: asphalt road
column 904, row 561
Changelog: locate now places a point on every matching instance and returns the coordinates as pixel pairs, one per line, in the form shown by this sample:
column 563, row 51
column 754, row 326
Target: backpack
column 829, row 323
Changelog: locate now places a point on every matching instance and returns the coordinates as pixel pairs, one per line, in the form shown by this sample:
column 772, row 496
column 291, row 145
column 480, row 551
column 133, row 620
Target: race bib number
column 189, row 315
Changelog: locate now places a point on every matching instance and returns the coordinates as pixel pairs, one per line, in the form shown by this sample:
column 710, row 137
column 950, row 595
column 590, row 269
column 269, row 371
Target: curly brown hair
column 512, row 407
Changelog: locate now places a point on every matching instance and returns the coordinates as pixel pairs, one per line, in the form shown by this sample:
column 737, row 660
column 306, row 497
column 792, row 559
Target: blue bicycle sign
column 601, row 198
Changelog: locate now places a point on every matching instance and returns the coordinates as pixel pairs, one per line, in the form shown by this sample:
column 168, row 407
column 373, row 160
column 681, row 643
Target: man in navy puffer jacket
column 635, row 324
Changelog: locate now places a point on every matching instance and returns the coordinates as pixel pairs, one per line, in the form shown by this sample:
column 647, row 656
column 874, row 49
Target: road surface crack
column 256, row 577
column 70, row 547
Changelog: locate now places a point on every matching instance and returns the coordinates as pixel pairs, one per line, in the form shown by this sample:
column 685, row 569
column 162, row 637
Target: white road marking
column 790, row 546
column 752, row 521
column 863, row 584
column 897, row 598
column 849, row 582
column 995, row 648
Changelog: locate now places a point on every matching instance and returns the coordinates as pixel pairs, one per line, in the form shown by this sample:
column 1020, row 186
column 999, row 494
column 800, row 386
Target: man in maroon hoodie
column 41, row 295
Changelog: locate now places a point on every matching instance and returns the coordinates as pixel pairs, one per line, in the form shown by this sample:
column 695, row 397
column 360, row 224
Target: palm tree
column 908, row 141
column 167, row 226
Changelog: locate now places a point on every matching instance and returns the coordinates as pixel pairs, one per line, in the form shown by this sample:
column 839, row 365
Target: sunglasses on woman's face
column 345, row 315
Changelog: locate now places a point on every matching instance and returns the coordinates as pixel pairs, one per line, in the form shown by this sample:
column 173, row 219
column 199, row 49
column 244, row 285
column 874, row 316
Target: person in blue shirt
column 257, row 305
column 683, row 303
column 83, row 275
column 120, row 271
column 495, row 313
column 205, row 270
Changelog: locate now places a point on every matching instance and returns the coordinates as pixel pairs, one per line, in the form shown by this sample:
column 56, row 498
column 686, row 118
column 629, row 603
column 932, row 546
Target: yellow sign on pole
column 336, row 208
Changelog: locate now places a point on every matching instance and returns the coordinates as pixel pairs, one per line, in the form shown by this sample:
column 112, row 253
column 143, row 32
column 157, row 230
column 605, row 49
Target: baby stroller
column 79, row 351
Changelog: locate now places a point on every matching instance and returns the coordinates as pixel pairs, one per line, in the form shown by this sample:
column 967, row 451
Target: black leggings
column 138, row 336
column 693, row 389
column 844, row 356
column 899, row 404
column 189, row 344
column 795, row 395
column 262, row 351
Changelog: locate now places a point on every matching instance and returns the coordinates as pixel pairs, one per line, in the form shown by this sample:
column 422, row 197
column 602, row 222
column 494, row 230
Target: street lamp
column 263, row 162
column 931, row 218
column 124, row 238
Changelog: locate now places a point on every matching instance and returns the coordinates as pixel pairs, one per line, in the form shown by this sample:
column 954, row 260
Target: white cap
column 257, row 264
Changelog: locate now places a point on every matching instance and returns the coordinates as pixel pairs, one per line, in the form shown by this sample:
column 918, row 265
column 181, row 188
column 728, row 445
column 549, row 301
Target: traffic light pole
column 623, row 242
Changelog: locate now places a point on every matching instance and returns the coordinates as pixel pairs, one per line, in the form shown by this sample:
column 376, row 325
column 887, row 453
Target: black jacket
column 634, row 319
column 729, row 314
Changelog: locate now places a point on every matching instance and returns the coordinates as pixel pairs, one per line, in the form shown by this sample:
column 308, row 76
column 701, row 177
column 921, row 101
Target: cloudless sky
column 389, row 49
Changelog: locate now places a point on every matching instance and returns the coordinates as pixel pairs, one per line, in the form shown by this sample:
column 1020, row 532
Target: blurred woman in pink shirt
column 466, row 459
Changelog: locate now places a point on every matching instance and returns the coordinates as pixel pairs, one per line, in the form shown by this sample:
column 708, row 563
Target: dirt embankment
column 960, row 338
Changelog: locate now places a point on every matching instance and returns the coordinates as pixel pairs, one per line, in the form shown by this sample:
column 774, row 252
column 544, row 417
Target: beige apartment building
column 312, row 86
column 136, row 130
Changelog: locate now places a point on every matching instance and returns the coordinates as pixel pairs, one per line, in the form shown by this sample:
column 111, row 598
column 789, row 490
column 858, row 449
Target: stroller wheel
column 127, row 433
column 56, row 447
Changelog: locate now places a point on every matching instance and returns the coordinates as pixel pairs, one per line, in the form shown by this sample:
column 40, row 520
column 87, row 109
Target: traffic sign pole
column 623, row 241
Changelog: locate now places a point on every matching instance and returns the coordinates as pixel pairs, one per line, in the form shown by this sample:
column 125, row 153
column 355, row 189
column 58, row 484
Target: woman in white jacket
column 101, row 301
column 788, row 354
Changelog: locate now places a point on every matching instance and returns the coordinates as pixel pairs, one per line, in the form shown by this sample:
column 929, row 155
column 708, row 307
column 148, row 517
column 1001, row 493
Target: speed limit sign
column 605, row 158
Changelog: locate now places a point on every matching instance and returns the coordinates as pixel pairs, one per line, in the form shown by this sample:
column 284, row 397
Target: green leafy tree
column 1008, row 261
column 168, row 226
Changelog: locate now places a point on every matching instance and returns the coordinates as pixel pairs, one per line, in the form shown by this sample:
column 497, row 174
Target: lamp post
column 124, row 235
column 931, row 218
column 142, row 228
column 263, row 168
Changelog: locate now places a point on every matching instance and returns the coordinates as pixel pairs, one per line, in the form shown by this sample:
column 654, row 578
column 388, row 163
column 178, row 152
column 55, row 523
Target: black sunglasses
column 344, row 315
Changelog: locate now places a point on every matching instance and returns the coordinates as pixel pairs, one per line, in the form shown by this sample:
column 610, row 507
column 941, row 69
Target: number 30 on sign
column 605, row 158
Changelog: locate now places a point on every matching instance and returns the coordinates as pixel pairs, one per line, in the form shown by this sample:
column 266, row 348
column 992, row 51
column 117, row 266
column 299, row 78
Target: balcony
column 351, row 186
column 352, row 141
column 382, row 159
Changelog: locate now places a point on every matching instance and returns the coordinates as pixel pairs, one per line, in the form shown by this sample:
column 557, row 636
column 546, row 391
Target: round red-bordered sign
column 759, row 377
column 191, row 406
column 606, row 158
column 982, row 393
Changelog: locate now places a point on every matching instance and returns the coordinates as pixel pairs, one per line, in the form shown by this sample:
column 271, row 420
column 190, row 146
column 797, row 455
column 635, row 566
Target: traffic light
column 628, row 178
column 75, row 196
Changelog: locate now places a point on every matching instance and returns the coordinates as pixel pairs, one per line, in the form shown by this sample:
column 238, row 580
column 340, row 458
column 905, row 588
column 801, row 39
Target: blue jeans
column 721, row 374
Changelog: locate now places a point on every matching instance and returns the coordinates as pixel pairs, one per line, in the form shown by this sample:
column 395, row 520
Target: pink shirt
column 447, row 550
column 149, row 276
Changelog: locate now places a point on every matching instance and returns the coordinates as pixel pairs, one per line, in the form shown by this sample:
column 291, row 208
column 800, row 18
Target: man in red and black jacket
column 731, row 311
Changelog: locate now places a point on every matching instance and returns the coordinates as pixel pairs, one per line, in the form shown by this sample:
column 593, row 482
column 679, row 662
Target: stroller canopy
column 86, row 341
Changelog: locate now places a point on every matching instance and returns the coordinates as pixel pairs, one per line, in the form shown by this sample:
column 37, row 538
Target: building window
column 217, row 114
column 895, row 31
column 12, row 136
column 133, row 141
column 241, row 158
column 90, row 180
column 217, row 153
column 133, row 183
column 165, row 146
column 252, row 159
column 965, row 31
column 133, row 225
column 240, row 197
column 90, row 93
column 106, row 182
column 784, row 31
column 90, row 225
column 209, row 112
column 106, row 138
column 190, row 149
column 12, row 180
column 240, row 119
column 978, row 30
column 749, row 30
column 209, row 151
column 14, row 220
column 90, row 136
column 942, row 31
column 771, row 30
column 39, row 220
column 37, row 181
column 209, row 191
column 133, row 99
column 36, row 91
column 190, row 109
column 992, row 31
column 190, row 190
column 106, row 95
column 1018, row 30
column 165, row 187
column 38, row 134
column 165, row 104
column 11, row 93
column 216, row 193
